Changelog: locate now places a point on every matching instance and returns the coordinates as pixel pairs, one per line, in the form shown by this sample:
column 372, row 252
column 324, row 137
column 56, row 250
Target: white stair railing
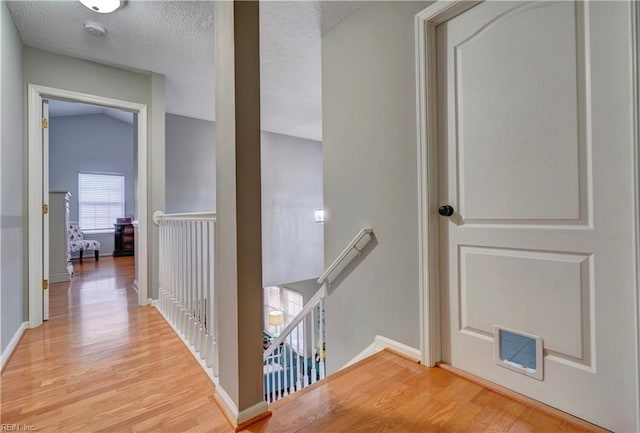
column 291, row 362
column 186, row 281
column 290, row 365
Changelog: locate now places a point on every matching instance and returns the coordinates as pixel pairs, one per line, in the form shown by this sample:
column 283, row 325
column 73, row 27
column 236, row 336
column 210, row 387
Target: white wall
column 12, row 309
column 91, row 143
column 190, row 164
column 370, row 172
column 292, row 242
column 68, row 73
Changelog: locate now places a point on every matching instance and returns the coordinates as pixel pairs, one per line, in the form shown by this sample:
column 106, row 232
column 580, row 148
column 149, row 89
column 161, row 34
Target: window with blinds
column 100, row 201
column 290, row 303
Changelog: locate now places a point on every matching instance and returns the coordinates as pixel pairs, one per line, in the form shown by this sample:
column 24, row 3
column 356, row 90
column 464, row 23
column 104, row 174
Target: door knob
column 445, row 210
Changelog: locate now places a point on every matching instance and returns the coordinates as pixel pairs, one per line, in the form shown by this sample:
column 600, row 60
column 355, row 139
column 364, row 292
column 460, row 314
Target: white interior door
column 45, row 202
column 536, row 149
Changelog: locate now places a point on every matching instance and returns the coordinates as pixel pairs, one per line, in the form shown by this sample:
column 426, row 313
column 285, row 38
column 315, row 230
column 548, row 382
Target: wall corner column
column 238, row 256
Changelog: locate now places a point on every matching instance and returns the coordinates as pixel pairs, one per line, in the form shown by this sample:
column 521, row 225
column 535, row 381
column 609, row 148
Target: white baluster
column 203, row 293
column 268, row 381
column 281, row 360
column 184, row 265
column 292, row 353
column 306, row 359
column 199, row 270
column 300, row 365
column 179, row 271
column 160, row 276
column 185, row 279
column 213, row 361
column 186, row 271
column 165, row 247
column 167, row 289
column 196, row 271
column 321, row 338
column 285, row 363
column 176, row 270
column 172, row 267
column 160, row 271
column 313, row 346
column 191, row 265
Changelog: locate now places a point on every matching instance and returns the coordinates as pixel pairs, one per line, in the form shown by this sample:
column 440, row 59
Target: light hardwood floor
column 388, row 393
column 102, row 364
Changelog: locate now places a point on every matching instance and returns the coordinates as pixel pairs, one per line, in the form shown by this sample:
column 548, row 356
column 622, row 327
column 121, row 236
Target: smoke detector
column 95, row 28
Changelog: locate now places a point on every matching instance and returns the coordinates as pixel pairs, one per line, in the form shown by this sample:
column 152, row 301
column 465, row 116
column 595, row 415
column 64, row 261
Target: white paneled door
column 536, row 156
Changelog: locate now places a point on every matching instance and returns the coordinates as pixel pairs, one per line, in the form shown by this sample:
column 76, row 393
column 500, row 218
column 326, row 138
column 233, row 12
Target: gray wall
column 292, row 242
column 370, row 172
column 238, row 258
column 190, row 164
column 91, row 143
column 308, row 288
column 11, row 180
column 63, row 72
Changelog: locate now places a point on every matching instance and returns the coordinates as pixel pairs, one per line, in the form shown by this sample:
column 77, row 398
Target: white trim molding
column 237, row 418
column 35, row 95
column 635, row 65
column 367, row 352
column 427, row 112
column 252, row 412
column 230, row 406
column 381, row 343
column 13, row 343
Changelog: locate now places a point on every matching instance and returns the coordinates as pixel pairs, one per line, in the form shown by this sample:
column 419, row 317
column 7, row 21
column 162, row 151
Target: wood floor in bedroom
column 103, row 364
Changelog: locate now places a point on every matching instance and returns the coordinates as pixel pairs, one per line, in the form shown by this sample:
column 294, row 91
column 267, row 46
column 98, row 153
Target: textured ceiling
column 172, row 38
column 175, row 38
column 290, row 68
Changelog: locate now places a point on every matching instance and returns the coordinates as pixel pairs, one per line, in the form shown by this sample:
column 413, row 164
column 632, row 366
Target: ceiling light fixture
column 103, row 6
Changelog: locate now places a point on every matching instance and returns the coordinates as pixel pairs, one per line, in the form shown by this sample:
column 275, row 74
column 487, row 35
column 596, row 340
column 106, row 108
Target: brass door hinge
column 45, row 284
column 45, row 209
column 45, row 123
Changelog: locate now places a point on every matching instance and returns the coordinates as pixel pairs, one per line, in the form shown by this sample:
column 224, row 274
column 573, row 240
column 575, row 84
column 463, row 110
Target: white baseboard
column 59, row 278
column 367, row 352
column 135, row 286
column 6, row 353
column 228, row 402
column 253, row 411
column 381, row 343
column 154, row 303
column 196, row 356
column 387, row 343
column 240, row 417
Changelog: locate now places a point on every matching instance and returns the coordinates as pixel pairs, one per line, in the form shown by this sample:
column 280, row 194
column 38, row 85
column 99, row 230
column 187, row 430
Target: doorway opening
column 92, row 173
column 38, row 193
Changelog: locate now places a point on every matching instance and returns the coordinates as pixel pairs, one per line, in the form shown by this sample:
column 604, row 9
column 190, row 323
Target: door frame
column 427, row 125
column 427, row 150
column 35, row 95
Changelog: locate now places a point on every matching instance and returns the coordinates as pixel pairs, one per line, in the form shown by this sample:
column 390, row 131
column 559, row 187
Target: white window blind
column 100, row 200
column 290, row 303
